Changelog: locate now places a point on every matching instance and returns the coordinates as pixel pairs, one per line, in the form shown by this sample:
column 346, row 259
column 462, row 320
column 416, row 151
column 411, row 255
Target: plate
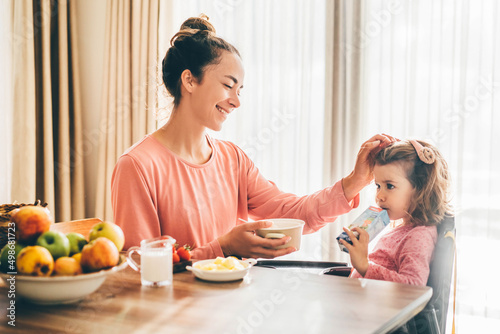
column 220, row 276
column 59, row 289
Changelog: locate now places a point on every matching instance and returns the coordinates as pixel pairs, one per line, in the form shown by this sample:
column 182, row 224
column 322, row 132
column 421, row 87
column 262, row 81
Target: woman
column 180, row 182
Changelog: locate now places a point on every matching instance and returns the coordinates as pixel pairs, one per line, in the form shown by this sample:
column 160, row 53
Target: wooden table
column 266, row 301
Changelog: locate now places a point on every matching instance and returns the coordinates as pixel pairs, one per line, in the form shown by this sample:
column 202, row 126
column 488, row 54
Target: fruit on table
column 76, row 242
column 56, row 242
column 77, row 256
column 184, row 253
column 31, row 221
column 99, row 254
column 67, row 266
column 175, row 257
column 4, row 257
column 35, row 261
column 108, row 230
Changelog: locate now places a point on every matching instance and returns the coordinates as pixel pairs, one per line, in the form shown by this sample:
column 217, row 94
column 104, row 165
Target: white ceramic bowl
column 282, row 227
column 220, row 276
column 60, row 289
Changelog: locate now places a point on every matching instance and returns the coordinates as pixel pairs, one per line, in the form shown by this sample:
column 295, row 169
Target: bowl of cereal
column 221, row 269
column 282, row 227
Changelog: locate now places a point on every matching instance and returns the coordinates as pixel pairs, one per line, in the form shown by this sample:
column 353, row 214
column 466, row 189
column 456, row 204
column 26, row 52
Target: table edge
column 407, row 313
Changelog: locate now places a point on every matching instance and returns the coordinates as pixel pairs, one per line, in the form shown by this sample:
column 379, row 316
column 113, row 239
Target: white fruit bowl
column 60, row 289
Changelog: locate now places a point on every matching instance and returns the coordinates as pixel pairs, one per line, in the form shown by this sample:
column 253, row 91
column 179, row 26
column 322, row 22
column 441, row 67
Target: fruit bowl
column 60, row 289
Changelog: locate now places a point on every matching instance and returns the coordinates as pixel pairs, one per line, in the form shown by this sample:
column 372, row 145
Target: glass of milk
column 156, row 265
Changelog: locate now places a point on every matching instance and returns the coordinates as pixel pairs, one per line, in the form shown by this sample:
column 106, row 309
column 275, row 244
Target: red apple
column 98, row 254
column 109, row 230
column 31, row 222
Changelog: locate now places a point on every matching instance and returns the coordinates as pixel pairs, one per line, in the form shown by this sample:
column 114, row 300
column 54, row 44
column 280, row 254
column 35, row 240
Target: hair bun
column 198, row 23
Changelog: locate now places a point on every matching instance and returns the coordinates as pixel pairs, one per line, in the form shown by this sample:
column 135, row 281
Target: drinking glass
column 156, row 265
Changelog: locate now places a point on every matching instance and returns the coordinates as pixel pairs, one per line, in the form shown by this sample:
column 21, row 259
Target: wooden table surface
column 266, row 301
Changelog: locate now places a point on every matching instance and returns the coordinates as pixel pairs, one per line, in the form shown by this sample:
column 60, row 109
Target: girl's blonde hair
column 430, row 201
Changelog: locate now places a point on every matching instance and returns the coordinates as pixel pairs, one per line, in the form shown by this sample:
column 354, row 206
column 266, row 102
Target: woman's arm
column 265, row 200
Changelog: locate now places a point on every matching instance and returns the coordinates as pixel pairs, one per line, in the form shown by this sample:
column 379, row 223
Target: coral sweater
column 402, row 255
column 155, row 192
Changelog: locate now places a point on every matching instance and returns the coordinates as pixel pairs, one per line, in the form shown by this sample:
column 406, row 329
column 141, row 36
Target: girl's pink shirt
column 402, row 255
column 155, row 192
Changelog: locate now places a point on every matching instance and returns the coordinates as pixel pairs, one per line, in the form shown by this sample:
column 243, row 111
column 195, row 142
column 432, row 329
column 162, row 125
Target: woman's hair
column 430, row 200
column 193, row 48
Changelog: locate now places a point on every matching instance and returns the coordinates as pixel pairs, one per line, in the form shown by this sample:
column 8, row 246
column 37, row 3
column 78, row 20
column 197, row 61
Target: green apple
column 4, row 256
column 55, row 242
column 108, row 230
column 76, row 242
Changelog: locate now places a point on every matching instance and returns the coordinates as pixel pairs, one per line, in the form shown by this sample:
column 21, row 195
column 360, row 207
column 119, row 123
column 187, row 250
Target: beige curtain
column 47, row 154
column 129, row 87
column 342, row 107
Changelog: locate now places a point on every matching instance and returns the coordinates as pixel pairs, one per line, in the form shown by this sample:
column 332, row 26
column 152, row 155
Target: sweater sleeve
column 265, row 200
column 209, row 251
column 414, row 259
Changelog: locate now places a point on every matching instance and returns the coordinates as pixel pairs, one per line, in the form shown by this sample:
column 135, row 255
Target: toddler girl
column 412, row 185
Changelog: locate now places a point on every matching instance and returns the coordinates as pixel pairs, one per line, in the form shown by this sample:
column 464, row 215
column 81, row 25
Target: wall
column 91, row 21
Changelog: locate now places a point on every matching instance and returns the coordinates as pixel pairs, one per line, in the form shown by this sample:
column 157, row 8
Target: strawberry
column 175, row 257
column 184, row 252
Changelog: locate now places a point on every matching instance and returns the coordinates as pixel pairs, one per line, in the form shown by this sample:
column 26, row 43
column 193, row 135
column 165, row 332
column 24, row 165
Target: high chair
column 432, row 319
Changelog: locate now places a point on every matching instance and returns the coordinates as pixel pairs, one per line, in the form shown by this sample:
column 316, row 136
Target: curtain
column 6, row 100
column 343, row 135
column 431, row 70
column 130, row 85
column 279, row 122
column 47, row 153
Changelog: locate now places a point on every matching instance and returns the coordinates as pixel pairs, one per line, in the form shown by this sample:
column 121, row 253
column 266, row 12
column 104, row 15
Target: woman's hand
column 242, row 241
column 358, row 250
column 362, row 174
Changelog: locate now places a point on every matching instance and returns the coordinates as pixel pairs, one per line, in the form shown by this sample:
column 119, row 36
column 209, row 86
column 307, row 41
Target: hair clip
column 425, row 154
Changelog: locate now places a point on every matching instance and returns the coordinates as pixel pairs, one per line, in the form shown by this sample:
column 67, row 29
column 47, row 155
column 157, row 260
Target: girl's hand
column 362, row 174
column 358, row 250
column 242, row 241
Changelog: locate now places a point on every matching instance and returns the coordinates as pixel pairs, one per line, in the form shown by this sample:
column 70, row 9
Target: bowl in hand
column 284, row 227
